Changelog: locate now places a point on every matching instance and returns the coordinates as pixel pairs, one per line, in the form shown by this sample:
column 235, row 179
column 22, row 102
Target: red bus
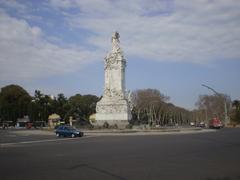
column 215, row 123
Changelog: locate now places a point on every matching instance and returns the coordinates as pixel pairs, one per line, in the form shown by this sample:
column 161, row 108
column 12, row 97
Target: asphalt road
column 205, row 156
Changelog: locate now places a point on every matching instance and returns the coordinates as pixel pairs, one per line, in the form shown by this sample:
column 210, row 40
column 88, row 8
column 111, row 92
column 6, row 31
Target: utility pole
column 225, row 104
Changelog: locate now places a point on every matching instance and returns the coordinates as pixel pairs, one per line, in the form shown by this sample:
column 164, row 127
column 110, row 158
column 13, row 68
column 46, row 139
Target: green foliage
column 83, row 106
column 149, row 106
column 129, row 126
column 106, row 125
column 236, row 112
column 115, row 126
column 14, row 102
column 39, row 108
column 62, row 106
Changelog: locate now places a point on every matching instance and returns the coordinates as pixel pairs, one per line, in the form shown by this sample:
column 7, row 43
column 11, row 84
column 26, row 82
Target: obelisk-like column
column 113, row 108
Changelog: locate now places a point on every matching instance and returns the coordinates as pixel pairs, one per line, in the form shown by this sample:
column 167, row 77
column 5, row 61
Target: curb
column 146, row 132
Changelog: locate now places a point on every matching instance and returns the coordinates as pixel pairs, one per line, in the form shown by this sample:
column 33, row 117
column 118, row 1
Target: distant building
column 53, row 120
column 22, row 122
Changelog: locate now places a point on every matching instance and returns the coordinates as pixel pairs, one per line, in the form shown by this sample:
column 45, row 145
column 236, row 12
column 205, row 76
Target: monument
column 114, row 107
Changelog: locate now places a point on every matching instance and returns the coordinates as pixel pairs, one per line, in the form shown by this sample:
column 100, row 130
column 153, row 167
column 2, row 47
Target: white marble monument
column 114, row 107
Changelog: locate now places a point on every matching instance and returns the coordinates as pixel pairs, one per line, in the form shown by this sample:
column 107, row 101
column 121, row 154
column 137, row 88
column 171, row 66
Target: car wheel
column 73, row 135
column 57, row 134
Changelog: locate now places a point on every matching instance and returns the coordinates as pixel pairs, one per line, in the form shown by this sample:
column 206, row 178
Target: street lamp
column 225, row 104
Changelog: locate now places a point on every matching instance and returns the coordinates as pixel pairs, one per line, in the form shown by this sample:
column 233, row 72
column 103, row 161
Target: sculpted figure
column 115, row 42
column 111, row 57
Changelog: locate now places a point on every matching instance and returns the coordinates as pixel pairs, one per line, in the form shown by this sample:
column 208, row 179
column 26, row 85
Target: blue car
column 68, row 131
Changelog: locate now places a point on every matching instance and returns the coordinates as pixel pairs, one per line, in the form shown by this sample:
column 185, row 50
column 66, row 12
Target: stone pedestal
column 113, row 112
column 114, row 107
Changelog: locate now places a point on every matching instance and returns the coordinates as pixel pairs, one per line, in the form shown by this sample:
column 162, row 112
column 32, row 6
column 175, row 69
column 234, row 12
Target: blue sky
column 58, row 46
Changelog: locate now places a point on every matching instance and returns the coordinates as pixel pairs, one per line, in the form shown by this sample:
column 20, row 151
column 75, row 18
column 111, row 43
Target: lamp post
column 225, row 104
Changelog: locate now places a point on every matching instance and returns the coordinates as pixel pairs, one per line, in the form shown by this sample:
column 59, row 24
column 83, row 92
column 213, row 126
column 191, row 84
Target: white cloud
column 196, row 31
column 24, row 54
column 62, row 3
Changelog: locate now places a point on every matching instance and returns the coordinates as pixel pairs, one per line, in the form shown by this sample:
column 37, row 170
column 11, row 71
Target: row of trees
column 150, row 106
column 15, row 103
column 78, row 106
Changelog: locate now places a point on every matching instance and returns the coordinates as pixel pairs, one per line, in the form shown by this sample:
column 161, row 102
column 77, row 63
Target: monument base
column 114, row 113
column 120, row 124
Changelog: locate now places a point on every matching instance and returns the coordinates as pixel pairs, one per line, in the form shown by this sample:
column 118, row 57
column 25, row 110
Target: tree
column 152, row 107
column 39, row 108
column 75, row 106
column 83, row 106
column 14, row 102
column 147, row 104
column 213, row 105
column 236, row 111
column 62, row 106
column 89, row 105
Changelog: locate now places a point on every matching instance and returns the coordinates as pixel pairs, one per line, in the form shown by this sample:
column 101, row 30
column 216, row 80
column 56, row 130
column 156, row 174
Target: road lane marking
column 41, row 141
column 96, row 134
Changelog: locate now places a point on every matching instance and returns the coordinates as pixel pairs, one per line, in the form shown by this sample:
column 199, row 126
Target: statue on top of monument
column 115, row 42
column 111, row 58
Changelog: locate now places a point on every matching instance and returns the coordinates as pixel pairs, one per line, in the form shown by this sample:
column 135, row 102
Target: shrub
column 115, row 126
column 129, row 126
column 105, row 125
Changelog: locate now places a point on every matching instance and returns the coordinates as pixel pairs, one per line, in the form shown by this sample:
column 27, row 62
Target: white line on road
column 41, row 141
column 96, row 134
